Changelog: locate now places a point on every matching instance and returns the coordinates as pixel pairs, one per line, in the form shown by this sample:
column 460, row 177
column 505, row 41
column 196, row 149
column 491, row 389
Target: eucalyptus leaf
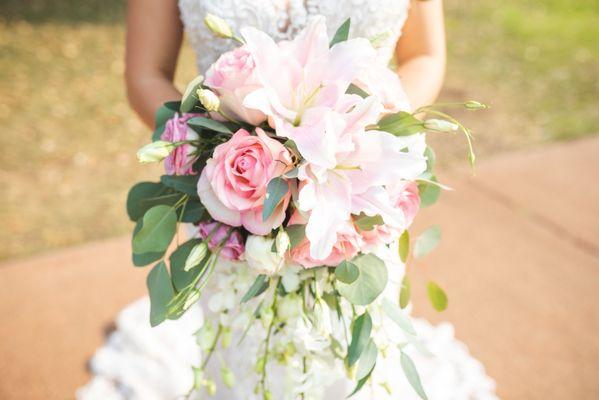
column 275, row 191
column 404, row 246
column 429, row 193
column 182, row 278
column 367, row 360
column 370, row 283
column 359, row 385
column 342, row 33
column 367, row 223
column 296, row 233
column 437, row 296
column 187, row 184
column 157, row 231
column 427, row 241
column 157, row 133
column 210, row 124
column 138, row 193
column 257, row 288
column 431, row 158
column 353, row 89
column 397, row 316
column 161, row 292
column 347, row 272
column 409, row 369
column 141, row 260
column 401, row 124
column 360, row 336
column 166, row 112
column 193, row 211
column 405, row 292
column 189, row 98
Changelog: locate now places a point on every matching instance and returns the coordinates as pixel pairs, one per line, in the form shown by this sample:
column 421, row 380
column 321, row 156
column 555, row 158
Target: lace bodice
column 282, row 19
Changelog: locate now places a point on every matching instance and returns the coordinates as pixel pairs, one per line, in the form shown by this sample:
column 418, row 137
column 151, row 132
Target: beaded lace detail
column 283, row 19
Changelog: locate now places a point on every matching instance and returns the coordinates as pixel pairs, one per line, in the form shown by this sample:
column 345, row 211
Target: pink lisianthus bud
column 180, row 160
column 233, row 248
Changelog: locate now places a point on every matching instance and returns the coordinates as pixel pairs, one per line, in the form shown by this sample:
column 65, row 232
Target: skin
column 155, row 32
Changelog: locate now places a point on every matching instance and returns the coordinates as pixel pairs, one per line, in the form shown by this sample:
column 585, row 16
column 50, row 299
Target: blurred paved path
column 519, row 260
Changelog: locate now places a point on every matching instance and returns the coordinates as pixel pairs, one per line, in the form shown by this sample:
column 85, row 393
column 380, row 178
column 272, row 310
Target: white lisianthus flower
column 282, row 242
column 218, row 26
column 440, row 125
column 322, row 317
column 209, row 99
column 259, row 256
column 155, row 151
column 290, row 277
column 289, row 306
column 205, row 336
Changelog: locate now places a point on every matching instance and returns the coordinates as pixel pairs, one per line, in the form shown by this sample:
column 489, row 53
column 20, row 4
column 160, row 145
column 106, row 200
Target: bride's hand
column 420, row 52
column 154, row 34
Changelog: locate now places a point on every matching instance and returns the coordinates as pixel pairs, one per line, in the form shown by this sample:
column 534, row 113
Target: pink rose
column 233, row 184
column 404, row 196
column 181, row 159
column 347, row 247
column 232, row 77
column 233, row 248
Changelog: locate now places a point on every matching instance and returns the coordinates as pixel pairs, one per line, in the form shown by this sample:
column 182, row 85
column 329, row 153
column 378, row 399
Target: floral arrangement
column 297, row 168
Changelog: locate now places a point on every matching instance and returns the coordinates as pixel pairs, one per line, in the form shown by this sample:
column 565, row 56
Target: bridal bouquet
column 297, row 168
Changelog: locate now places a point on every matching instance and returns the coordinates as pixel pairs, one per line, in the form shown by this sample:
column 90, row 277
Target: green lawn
column 68, row 145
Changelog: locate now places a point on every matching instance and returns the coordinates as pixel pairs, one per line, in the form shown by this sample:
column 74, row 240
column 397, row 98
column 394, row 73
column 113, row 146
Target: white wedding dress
column 140, row 362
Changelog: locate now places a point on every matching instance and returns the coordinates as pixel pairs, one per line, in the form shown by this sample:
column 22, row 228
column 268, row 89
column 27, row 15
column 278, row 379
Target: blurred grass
column 67, row 148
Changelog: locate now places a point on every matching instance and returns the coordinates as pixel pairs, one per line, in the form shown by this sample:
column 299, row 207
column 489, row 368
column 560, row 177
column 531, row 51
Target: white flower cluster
column 304, row 352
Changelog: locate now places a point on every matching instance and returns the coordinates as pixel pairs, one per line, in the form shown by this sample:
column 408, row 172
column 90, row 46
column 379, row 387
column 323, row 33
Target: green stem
column 212, row 347
column 273, row 307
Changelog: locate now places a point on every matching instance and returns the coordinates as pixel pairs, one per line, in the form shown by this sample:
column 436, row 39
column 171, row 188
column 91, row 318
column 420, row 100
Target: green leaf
column 409, row 369
column 182, row 278
column 141, row 260
column 190, row 99
column 404, row 246
column 431, row 158
column 166, row 112
column 157, row 231
column 187, row 184
column 296, row 233
column 257, row 288
column 359, row 385
column 359, row 339
column 139, row 192
column 393, row 312
column 437, row 296
column 161, row 292
column 429, row 193
column 353, row 89
column 401, row 124
column 370, row 283
column 275, row 191
column 427, row 241
column 405, row 292
column 342, row 33
column 347, row 272
column 193, row 211
column 367, row 360
column 210, row 124
column 158, row 132
column 367, row 223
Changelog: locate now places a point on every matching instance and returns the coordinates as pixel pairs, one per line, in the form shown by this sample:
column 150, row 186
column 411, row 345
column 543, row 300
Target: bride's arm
column 421, row 52
column 154, row 34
